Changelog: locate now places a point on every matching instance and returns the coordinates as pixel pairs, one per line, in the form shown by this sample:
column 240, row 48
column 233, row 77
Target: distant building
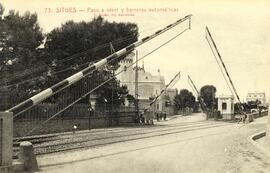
column 149, row 86
column 253, row 96
column 226, row 106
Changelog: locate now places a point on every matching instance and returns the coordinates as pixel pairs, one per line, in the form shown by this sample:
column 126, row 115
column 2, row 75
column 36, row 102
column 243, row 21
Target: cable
column 27, row 80
column 128, row 37
column 233, row 93
column 74, row 56
column 95, row 49
column 60, row 71
column 222, row 72
column 44, row 122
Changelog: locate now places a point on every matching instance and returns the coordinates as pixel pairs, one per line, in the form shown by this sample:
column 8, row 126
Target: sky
column 239, row 29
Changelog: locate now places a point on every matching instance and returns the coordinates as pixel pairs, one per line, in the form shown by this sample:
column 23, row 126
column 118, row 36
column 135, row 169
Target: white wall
column 229, row 102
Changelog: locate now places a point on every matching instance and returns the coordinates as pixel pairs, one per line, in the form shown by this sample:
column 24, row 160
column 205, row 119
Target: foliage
column 184, row 99
column 207, row 93
column 111, row 94
column 248, row 105
column 65, row 49
column 77, row 44
column 20, row 37
column 131, row 99
column 92, row 38
column 1, row 10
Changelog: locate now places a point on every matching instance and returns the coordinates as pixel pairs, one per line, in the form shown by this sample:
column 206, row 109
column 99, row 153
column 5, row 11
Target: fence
column 251, row 116
column 78, row 114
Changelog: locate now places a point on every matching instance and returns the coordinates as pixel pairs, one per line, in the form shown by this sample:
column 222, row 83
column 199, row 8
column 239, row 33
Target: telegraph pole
column 113, row 87
column 136, row 87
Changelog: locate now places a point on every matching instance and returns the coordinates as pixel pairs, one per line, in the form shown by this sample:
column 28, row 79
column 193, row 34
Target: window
column 224, row 106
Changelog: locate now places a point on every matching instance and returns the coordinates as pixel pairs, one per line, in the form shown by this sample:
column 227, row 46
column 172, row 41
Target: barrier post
column 6, row 141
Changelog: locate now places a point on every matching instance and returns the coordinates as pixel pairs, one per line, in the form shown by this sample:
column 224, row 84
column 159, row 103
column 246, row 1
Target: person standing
column 164, row 116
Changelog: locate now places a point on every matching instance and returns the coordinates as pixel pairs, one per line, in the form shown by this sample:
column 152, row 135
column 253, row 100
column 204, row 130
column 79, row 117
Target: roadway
column 182, row 144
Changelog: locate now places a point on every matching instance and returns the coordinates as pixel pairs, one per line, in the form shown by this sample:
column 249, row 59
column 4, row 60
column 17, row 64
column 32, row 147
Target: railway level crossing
column 6, row 118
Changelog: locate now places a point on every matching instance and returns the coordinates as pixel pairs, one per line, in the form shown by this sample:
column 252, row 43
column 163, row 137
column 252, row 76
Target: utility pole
column 213, row 102
column 113, row 87
column 89, row 70
column 136, row 87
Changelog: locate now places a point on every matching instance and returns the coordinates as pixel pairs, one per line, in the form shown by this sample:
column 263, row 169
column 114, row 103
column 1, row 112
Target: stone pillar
column 6, row 139
column 27, row 156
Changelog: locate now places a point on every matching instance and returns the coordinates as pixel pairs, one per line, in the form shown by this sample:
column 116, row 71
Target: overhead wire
column 220, row 68
column 36, row 77
column 232, row 90
column 72, row 57
column 149, row 53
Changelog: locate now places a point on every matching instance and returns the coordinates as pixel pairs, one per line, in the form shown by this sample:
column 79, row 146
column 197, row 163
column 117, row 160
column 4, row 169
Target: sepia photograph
column 137, row 86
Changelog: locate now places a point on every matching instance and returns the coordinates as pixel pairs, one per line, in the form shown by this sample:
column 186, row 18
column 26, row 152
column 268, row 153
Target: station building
column 149, row 86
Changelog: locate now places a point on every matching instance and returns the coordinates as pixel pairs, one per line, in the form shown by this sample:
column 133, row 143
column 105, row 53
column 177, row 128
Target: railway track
column 88, row 140
column 66, row 135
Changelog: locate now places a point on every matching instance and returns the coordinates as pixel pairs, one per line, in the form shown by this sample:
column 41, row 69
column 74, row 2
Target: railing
column 258, row 114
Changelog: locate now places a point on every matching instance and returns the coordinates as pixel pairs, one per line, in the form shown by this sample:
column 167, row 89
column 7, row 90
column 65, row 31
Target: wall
column 227, row 113
column 78, row 114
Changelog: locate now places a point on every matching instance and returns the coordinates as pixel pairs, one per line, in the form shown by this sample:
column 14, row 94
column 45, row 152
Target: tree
column 22, row 59
column 252, row 105
column 87, row 42
column 76, row 44
column 207, row 93
column 111, row 94
column 2, row 9
column 184, row 99
column 20, row 37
